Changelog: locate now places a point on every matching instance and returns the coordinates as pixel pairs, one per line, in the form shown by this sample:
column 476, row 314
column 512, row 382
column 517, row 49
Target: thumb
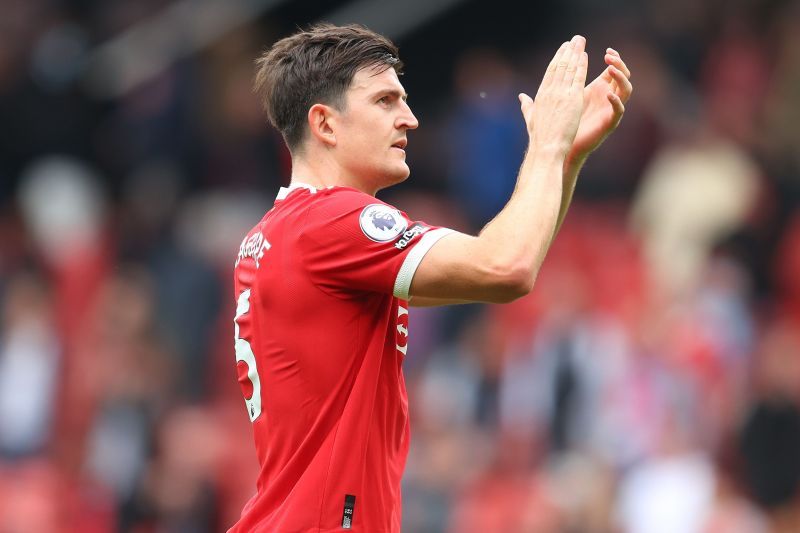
column 525, row 101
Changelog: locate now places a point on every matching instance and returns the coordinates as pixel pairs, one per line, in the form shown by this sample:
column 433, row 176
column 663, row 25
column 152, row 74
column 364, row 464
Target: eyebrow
column 392, row 92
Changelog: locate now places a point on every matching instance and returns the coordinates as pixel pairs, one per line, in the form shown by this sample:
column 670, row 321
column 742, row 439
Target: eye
column 383, row 100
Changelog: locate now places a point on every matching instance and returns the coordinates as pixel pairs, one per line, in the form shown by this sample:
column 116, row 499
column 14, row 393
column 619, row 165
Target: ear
column 320, row 124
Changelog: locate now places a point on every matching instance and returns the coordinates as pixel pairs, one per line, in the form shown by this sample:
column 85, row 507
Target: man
column 323, row 282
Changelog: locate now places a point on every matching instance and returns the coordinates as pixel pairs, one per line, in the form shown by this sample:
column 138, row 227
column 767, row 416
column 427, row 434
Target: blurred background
column 651, row 383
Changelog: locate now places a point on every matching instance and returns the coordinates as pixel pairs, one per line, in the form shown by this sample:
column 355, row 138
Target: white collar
column 283, row 192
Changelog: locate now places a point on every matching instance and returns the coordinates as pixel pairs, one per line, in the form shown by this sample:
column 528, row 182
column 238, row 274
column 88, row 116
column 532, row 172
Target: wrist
column 574, row 159
column 548, row 154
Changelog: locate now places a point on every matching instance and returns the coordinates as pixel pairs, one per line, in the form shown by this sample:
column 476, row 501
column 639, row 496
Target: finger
column 608, row 78
column 617, row 61
column 580, row 74
column 611, row 81
column 618, row 109
column 624, row 87
column 579, row 48
column 618, row 106
column 578, row 43
column 562, row 63
column 525, row 105
column 550, row 74
column 573, row 55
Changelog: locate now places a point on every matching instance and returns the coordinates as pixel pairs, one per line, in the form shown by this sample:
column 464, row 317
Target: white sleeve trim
column 403, row 282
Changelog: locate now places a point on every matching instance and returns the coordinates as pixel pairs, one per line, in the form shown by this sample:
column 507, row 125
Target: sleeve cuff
column 402, row 283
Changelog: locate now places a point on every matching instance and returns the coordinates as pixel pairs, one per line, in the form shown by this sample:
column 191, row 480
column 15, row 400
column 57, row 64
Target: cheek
column 358, row 137
column 366, row 146
column 361, row 153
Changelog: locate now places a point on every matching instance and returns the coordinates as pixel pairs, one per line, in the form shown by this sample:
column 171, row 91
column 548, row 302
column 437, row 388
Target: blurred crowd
column 650, row 383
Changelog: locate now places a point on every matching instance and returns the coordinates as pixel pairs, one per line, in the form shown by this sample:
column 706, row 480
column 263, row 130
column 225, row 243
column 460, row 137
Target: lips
column 401, row 144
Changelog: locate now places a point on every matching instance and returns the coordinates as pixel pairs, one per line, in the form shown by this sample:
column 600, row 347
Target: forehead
column 375, row 79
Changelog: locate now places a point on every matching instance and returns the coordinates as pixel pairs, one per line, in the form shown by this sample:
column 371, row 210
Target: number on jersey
column 244, row 352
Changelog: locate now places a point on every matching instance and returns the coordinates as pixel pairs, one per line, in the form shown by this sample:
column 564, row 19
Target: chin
column 403, row 171
column 401, row 175
column 394, row 176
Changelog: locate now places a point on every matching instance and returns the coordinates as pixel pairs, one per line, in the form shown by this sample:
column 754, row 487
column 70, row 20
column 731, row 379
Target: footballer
column 324, row 281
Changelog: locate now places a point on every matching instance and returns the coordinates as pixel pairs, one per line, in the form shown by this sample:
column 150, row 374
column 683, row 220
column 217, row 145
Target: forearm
column 523, row 231
column 520, row 235
column 572, row 167
column 502, row 262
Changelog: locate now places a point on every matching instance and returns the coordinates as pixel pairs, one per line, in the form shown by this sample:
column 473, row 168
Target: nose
column 407, row 120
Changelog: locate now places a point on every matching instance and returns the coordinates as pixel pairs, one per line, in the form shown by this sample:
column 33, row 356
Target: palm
column 598, row 118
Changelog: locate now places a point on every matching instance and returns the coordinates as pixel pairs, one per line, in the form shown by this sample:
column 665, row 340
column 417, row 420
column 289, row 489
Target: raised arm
column 604, row 102
column 501, row 263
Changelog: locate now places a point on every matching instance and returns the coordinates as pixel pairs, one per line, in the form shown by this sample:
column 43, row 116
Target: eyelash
column 387, row 100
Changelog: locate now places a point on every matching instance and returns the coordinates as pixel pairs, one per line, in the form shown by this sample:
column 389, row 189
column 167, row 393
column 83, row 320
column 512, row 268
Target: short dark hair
column 316, row 65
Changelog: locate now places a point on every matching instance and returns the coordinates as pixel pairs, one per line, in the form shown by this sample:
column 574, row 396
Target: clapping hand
column 604, row 104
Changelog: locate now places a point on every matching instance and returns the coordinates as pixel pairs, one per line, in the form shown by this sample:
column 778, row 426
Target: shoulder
column 377, row 220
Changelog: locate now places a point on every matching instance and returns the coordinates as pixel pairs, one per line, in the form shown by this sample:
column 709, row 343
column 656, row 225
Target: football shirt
column 321, row 330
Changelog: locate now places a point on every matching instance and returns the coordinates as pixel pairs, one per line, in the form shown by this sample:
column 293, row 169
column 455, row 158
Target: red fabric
column 328, row 339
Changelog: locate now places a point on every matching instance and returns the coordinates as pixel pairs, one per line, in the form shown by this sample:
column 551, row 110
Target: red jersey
column 321, row 330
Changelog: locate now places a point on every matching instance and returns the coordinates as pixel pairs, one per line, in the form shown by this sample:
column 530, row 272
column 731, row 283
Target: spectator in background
column 485, row 135
column 770, row 434
column 670, row 491
column 30, row 359
column 127, row 379
column 692, row 194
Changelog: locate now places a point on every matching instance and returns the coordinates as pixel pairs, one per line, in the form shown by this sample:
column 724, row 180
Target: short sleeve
column 352, row 242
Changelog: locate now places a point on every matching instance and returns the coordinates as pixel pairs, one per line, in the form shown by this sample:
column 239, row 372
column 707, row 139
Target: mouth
column 401, row 144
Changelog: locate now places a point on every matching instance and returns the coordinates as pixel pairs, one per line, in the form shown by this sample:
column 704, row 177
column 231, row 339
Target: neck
column 322, row 174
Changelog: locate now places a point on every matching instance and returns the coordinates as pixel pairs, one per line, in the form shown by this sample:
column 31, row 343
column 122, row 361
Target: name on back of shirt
column 253, row 246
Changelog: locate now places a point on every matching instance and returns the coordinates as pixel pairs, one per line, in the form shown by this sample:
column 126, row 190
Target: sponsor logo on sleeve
column 382, row 223
column 410, row 234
